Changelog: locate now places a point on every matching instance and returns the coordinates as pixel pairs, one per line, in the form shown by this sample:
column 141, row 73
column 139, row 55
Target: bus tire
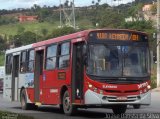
column 24, row 104
column 68, row 108
column 119, row 109
column 137, row 106
column 33, row 106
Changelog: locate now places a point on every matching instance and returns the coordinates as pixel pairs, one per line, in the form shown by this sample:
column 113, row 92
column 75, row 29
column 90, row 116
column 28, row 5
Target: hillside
column 36, row 27
column 12, row 29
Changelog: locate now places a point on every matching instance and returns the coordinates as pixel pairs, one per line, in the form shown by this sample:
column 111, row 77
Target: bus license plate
column 122, row 98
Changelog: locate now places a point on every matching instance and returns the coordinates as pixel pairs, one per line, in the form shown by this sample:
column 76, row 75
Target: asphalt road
column 50, row 112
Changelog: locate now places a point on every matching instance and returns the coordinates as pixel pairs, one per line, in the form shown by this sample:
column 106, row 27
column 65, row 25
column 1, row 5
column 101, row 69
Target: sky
column 11, row 4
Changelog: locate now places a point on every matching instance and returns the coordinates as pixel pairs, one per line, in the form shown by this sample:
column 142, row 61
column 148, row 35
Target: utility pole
column 60, row 8
column 74, row 20
column 158, row 43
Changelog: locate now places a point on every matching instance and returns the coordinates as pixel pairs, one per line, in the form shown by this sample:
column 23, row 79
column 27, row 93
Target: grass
column 84, row 23
column 36, row 27
column 9, row 115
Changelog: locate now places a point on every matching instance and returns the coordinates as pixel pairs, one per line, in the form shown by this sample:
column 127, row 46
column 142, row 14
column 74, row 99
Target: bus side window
column 9, row 64
column 51, row 57
column 64, row 55
column 23, row 62
column 30, row 61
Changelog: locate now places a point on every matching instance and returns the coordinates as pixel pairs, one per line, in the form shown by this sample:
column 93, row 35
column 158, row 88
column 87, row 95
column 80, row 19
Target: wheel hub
column 67, row 103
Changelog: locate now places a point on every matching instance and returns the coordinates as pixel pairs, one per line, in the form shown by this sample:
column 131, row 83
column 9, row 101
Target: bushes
column 7, row 20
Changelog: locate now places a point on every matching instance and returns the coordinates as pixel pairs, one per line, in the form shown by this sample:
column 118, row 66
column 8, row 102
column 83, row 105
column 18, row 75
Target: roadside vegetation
column 154, row 76
column 8, row 115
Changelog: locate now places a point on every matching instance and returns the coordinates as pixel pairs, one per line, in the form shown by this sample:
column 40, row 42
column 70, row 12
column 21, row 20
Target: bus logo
column 109, row 86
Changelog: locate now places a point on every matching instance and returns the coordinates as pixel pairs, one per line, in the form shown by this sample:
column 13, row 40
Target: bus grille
column 118, row 91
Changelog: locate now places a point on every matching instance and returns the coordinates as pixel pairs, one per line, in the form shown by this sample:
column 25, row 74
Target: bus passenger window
column 64, row 55
column 23, row 62
column 30, row 61
column 9, row 64
column 51, row 57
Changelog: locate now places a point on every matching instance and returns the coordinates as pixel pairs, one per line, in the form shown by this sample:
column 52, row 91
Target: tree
column 111, row 19
column 17, row 41
column 2, row 44
column 145, row 26
column 61, row 32
column 25, row 38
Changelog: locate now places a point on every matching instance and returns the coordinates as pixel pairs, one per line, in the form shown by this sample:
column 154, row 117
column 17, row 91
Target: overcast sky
column 10, row 4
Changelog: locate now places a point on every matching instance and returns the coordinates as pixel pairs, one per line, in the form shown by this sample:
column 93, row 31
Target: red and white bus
column 91, row 68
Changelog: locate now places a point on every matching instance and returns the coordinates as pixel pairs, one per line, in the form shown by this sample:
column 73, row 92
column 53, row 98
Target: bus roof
column 62, row 38
column 19, row 49
column 78, row 35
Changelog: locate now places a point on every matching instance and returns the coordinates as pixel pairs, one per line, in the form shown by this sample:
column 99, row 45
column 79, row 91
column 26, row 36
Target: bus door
column 77, row 72
column 15, row 77
column 38, row 72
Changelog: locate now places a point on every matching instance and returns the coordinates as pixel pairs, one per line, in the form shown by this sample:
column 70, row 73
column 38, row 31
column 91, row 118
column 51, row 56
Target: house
column 27, row 18
column 148, row 14
column 133, row 19
column 147, row 8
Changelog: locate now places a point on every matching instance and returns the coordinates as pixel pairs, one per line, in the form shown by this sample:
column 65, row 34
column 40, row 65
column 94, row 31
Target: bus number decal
column 61, row 75
column 135, row 37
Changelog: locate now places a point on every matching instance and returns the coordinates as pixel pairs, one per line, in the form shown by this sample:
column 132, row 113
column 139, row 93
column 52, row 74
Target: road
column 50, row 112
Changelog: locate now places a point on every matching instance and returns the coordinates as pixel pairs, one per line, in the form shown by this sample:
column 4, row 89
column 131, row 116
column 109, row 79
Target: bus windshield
column 118, row 61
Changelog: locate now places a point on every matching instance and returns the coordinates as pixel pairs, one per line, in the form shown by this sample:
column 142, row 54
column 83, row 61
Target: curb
column 156, row 90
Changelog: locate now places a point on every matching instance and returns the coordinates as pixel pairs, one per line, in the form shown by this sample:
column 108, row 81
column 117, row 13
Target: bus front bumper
column 93, row 98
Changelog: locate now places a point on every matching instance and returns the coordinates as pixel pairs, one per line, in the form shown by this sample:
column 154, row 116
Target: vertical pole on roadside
column 60, row 8
column 158, row 43
column 74, row 21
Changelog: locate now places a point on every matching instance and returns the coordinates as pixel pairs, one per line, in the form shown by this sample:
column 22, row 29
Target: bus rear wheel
column 119, row 109
column 68, row 108
column 24, row 104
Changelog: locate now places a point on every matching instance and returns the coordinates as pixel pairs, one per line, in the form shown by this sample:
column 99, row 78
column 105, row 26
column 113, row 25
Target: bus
column 100, row 68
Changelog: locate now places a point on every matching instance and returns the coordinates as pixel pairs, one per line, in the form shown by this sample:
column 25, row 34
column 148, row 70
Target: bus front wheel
column 137, row 106
column 119, row 109
column 68, row 108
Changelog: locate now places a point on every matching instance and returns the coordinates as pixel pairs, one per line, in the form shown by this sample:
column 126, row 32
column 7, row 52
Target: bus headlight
column 90, row 85
column 149, row 87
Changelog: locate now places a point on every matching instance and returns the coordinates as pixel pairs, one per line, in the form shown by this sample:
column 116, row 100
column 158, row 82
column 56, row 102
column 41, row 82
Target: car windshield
column 118, row 61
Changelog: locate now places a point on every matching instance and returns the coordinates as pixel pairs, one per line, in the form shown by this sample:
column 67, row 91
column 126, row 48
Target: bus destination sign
column 117, row 36
column 122, row 36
